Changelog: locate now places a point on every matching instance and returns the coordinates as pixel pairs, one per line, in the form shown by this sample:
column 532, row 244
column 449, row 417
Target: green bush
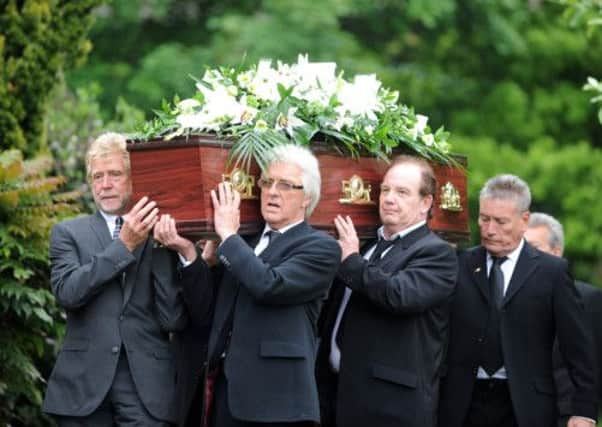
column 29, row 329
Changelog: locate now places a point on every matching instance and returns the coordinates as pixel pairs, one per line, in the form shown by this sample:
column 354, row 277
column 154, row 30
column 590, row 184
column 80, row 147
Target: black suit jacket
column 592, row 302
column 104, row 319
column 276, row 298
column 541, row 302
column 395, row 330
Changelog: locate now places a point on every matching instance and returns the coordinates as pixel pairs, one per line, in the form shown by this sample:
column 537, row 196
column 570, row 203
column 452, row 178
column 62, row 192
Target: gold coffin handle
column 355, row 192
column 241, row 182
column 450, row 198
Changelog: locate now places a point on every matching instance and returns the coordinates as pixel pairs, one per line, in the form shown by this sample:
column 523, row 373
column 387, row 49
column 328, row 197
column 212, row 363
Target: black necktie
column 381, row 246
column 496, row 280
column 272, row 235
column 117, row 229
column 493, row 357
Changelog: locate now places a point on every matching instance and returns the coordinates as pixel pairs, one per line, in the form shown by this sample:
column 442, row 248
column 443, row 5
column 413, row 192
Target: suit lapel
column 525, row 266
column 478, row 271
column 274, row 248
column 402, row 244
column 100, row 229
column 131, row 275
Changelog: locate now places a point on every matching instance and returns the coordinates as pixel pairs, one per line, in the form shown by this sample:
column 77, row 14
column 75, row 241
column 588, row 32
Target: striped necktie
column 117, row 229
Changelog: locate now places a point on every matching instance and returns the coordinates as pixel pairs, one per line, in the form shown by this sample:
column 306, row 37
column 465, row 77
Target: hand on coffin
column 138, row 223
column 165, row 232
column 226, row 210
column 348, row 240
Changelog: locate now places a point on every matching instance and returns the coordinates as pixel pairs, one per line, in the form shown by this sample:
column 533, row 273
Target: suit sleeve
column 169, row 304
column 575, row 343
column 74, row 283
column 197, row 282
column 305, row 272
column 427, row 280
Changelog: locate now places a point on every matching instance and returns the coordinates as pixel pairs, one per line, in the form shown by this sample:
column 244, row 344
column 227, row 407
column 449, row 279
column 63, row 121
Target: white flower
column 261, row 125
column 360, row 98
column 428, row 139
column 187, row 106
column 288, row 122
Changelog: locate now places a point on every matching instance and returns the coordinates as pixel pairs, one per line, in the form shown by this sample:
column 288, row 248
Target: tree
column 38, row 39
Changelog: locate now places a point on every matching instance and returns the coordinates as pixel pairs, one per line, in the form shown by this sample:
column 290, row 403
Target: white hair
column 305, row 159
column 555, row 230
column 508, row 187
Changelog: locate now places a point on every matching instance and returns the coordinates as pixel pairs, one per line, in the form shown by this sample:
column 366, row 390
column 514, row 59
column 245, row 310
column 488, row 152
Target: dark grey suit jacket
column 103, row 319
column 395, row 333
column 276, row 298
column 592, row 302
column 540, row 303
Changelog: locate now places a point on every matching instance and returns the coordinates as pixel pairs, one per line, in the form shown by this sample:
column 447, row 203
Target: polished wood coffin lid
column 180, row 173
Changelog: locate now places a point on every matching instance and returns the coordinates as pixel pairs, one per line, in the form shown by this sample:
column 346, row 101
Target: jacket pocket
column 545, row 385
column 394, row 375
column 162, row 353
column 281, row 349
column 75, row 344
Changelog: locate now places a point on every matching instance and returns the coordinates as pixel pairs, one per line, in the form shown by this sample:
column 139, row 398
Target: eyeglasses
column 281, row 184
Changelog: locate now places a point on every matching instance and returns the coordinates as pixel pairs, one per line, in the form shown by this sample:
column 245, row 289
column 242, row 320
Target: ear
column 425, row 204
column 306, row 201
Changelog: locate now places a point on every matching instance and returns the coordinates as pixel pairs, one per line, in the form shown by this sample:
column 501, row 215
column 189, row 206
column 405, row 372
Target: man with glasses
column 268, row 292
column 115, row 366
column 385, row 323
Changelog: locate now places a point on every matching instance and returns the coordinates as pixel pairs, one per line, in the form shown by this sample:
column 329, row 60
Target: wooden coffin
column 180, row 173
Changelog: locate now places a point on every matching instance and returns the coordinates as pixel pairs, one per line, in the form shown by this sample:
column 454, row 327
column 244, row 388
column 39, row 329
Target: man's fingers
column 144, row 211
column 138, row 206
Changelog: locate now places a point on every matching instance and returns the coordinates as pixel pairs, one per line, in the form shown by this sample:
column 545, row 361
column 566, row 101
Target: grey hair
column 508, row 187
column 556, row 231
column 107, row 144
column 305, row 159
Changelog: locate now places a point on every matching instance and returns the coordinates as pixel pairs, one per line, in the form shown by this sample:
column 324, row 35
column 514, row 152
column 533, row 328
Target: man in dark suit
column 511, row 301
column 115, row 366
column 269, row 291
column 384, row 329
column 546, row 234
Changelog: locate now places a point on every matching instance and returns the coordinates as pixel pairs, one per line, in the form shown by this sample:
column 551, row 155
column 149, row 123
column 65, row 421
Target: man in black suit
column 268, row 294
column 511, row 301
column 115, row 366
column 546, row 234
column 384, row 328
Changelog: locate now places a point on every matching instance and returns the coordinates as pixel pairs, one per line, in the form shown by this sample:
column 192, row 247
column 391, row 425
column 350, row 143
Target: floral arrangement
column 264, row 106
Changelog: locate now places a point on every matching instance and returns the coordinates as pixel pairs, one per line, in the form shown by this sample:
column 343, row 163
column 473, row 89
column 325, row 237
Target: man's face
column 280, row 208
column 400, row 202
column 501, row 224
column 540, row 238
column 111, row 185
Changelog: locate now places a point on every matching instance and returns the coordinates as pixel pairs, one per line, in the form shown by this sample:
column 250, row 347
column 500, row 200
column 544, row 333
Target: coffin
column 180, row 173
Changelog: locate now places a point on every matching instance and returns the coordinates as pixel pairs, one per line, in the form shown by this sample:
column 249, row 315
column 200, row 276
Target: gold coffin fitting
column 241, row 182
column 355, row 192
column 450, row 198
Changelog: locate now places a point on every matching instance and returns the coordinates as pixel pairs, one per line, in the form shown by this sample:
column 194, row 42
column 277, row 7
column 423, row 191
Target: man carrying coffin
column 268, row 292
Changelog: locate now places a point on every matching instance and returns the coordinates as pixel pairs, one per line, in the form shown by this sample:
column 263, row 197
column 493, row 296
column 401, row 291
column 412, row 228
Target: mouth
column 273, row 205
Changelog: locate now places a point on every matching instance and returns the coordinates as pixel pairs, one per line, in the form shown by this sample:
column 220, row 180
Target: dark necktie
column 493, row 358
column 381, row 246
column 272, row 235
column 117, row 229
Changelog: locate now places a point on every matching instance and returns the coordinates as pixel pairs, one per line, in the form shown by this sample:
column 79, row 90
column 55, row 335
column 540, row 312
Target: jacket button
column 121, row 317
column 115, row 349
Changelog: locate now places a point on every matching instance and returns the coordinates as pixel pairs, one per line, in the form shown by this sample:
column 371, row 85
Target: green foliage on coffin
column 272, row 104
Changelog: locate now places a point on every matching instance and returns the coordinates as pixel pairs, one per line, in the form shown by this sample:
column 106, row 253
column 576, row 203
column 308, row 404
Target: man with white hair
column 511, row 303
column 268, row 294
column 546, row 234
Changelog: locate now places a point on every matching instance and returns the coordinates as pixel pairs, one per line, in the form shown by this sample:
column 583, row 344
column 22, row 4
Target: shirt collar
column 283, row 229
column 381, row 235
column 109, row 218
column 512, row 256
